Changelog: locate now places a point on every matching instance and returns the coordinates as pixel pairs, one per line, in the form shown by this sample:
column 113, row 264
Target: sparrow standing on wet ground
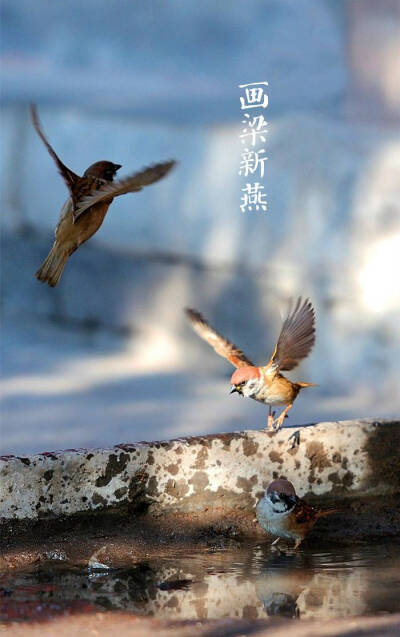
column 281, row 512
column 266, row 383
column 85, row 209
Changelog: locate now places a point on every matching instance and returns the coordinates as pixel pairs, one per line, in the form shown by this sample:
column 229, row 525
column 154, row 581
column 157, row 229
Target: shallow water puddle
column 255, row 582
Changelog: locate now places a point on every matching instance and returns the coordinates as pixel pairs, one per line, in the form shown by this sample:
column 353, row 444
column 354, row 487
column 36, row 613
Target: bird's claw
column 277, row 424
column 296, row 439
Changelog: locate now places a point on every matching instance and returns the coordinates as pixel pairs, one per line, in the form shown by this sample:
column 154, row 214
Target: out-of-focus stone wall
column 332, row 229
column 374, row 59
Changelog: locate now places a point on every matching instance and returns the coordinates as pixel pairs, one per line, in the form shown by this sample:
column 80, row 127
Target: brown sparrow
column 88, row 202
column 266, row 383
column 281, row 512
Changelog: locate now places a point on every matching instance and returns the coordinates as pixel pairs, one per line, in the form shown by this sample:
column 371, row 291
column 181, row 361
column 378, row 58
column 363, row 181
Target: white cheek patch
column 280, row 507
column 250, row 388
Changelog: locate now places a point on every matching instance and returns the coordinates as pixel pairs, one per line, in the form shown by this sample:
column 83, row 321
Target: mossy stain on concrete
column 115, row 465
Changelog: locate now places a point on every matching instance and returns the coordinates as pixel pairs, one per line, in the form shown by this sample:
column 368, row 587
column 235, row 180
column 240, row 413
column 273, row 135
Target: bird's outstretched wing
column 297, row 336
column 221, row 345
column 133, row 183
column 70, row 178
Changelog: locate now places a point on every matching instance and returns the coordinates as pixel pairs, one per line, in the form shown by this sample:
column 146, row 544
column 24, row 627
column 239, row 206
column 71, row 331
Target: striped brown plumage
column 89, row 199
column 266, row 383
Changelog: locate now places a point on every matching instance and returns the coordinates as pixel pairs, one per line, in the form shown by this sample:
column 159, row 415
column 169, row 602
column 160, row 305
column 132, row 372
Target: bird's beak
column 117, row 167
column 234, row 388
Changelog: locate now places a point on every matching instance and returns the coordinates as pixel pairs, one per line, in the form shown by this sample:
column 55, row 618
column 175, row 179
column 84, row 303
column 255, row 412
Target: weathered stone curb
column 334, row 461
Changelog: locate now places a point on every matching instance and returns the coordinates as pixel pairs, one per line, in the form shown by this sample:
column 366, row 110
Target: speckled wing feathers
column 297, row 336
column 133, row 183
column 221, row 345
column 304, row 513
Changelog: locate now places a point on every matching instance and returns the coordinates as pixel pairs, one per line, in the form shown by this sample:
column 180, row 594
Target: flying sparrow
column 88, row 202
column 281, row 512
column 266, row 383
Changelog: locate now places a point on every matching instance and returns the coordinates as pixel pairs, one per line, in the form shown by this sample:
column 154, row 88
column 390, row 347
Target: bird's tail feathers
column 322, row 514
column 51, row 269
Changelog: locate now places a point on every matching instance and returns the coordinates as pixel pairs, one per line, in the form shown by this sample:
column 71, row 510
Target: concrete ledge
column 222, row 472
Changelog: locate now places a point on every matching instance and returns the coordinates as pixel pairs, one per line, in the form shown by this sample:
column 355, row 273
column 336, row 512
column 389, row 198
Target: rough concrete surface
column 188, row 490
column 332, row 460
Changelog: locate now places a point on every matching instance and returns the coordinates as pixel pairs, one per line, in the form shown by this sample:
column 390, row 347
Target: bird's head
column 246, row 380
column 281, row 494
column 103, row 170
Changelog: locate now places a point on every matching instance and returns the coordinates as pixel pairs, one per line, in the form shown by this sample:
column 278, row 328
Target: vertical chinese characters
column 253, row 134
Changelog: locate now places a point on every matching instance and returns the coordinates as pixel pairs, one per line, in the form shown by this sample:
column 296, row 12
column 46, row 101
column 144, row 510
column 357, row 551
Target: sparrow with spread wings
column 266, row 383
column 89, row 199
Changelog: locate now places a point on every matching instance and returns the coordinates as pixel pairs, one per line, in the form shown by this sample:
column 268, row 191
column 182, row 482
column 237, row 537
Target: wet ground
column 251, row 583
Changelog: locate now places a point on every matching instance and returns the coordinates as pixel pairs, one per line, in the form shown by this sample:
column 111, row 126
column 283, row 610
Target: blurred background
column 107, row 357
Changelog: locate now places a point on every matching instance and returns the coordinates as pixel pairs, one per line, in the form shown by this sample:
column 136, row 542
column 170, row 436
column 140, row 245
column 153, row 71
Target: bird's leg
column 279, row 421
column 276, row 547
column 271, row 416
column 297, row 544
